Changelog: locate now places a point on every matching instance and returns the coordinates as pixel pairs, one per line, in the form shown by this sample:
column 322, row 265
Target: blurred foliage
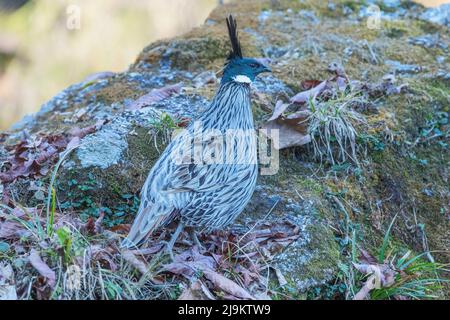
column 43, row 51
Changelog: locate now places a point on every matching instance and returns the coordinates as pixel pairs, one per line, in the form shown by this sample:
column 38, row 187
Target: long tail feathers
column 147, row 220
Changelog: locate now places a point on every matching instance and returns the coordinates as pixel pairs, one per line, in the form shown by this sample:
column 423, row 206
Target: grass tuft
column 332, row 126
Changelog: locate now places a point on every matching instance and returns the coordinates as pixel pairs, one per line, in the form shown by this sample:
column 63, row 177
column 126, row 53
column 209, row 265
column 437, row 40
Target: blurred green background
column 46, row 45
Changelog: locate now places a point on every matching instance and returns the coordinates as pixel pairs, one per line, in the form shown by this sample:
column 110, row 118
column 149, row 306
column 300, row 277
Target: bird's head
column 238, row 68
column 243, row 70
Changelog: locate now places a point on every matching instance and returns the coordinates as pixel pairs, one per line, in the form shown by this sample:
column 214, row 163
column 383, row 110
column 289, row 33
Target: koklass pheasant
column 207, row 174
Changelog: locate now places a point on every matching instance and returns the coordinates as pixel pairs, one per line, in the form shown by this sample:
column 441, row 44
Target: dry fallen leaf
column 381, row 276
column 191, row 292
column 82, row 132
column 283, row 135
column 98, row 76
column 34, row 156
column 287, row 131
column 98, row 223
column 366, row 257
column 43, row 269
column 280, row 107
column 103, row 255
column 309, row 84
column 11, row 230
column 226, row 285
column 73, row 143
column 130, row 257
column 196, row 291
column 206, row 77
column 364, row 291
column 155, row 95
column 298, row 121
column 305, row 96
column 121, row 228
column 7, row 287
column 281, row 279
column 189, row 262
column 247, row 275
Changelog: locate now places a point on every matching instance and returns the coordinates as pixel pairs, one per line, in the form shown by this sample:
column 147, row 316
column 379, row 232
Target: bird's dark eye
column 254, row 65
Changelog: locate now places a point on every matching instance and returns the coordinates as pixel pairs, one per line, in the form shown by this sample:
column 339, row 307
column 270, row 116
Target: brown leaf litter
column 7, row 282
column 379, row 275
column 290, row 128
column 228, row 267
column 34, row 157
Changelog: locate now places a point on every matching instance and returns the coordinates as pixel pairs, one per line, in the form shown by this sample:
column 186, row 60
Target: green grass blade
column 382, row 254
column 51, row 219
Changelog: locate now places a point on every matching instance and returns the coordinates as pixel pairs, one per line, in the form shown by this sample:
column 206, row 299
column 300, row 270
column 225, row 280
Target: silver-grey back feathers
column 204, row 177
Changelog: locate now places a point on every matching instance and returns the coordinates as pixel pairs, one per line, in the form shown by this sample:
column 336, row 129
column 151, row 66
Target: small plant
column 382, row 253
column 372, row 141
column 332, row 127
column 65, row 240
column 390, row 277
column 163, row 126
column 51, row 219
column 415, row 279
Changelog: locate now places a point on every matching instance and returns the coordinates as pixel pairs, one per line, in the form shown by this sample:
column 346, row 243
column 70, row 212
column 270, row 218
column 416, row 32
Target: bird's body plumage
column 203, row 195
column 207, row 174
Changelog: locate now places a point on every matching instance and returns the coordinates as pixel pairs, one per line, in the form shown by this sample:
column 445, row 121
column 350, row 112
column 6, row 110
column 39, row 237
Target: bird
column 207, row 173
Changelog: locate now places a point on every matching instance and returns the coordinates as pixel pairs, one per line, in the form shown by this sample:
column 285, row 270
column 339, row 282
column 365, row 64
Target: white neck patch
column 242, row 79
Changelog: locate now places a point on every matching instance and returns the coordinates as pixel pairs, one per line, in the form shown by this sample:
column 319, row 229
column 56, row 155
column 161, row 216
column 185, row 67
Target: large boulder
column 403, row 171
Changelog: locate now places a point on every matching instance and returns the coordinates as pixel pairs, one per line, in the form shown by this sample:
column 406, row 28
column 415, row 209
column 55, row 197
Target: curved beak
column 266, row 69
column 264, row 62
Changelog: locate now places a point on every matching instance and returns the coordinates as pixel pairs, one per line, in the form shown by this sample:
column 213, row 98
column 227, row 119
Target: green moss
column 306, row 268
column 194, row 52
column 287, row 292
column 323, row 241
column 142, row 148
column 310, row 185
column 199, row 48
column 354, row 5
column 114, row 190
column 116, row 92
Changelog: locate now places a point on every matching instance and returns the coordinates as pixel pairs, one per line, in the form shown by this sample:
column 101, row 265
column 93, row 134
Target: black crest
column 236, row 51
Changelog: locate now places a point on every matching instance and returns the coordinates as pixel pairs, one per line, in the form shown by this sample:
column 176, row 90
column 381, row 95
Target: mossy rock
column 403, row 171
